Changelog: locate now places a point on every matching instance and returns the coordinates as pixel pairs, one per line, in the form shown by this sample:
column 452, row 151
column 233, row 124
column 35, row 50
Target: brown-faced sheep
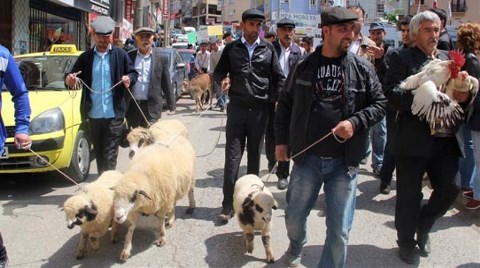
column 92, row 209
column 199, row 87
column 163, row 131
column 253, row 204
column 156, row 178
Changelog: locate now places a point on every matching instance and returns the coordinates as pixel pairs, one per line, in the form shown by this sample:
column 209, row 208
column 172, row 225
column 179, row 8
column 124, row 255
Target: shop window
column 459, row 5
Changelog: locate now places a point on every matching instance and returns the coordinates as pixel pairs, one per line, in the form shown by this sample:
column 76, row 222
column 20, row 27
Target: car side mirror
column 181, row 65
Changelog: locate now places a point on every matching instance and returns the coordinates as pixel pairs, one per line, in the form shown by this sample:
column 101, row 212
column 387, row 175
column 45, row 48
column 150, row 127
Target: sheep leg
column 127, row 246
column 170, row 218
column 267, row 245
column 249, row 242
column 94, row 242
column 162, row 239
column 114, row 232
column 82, row 247
column 191, row 200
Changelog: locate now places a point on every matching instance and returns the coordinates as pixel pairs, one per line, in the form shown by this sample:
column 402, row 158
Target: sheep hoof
column 271, row 260
column 190, row 210
column 124, row 256
column 80, row 255
column 160, row 242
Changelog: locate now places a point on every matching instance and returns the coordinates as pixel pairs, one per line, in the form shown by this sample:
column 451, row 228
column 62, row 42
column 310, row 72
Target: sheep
column 199, row 87
column 164, row 131
column 253, row 204
column 92, row 209
column 156, row 178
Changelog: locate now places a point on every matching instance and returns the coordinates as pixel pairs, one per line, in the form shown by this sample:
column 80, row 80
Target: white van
column 188, row 29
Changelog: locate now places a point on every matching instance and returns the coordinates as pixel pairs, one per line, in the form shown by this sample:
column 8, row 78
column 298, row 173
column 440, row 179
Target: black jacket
column 120, row 64
column 253, row 82
column 472, row 66
column 159, row 82
column 364, row 104
column 295, row 53
column 412, row 136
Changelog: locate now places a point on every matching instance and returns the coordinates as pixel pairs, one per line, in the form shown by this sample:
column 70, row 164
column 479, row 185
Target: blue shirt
column 102, row 96
column 251, row 47
column 10, row 76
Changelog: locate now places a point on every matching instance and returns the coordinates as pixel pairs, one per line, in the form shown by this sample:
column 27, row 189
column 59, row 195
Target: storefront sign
column 311, row 20
column 166, row 8
column 128, row 10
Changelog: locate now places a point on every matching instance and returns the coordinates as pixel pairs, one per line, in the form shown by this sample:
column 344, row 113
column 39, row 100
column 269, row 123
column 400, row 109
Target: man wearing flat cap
column 323, row 114
column 250, row 70
column 289, row 53
column 153, row 79
column 107, row 72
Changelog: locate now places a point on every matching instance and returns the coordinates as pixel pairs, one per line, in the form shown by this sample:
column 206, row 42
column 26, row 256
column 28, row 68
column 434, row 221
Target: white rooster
column 433, row 87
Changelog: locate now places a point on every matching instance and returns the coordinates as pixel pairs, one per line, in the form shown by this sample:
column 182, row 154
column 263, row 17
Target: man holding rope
column 10, row 76
column 105, row 71
column 332, row 91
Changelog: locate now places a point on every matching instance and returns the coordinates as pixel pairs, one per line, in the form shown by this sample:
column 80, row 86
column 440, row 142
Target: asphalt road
column 35, row 233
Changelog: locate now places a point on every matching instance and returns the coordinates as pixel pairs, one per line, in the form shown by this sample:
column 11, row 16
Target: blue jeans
column 378, row 137
column 306, row 180
column 466, row 166
column 476, row 152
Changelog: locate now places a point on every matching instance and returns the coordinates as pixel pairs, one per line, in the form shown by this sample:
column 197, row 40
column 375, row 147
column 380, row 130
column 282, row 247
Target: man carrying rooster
column 419, row 148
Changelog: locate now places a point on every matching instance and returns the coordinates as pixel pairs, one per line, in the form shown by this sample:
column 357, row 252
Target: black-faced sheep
column 253, row 204
column 163, row 131
column 156, row 178
column 92, row 209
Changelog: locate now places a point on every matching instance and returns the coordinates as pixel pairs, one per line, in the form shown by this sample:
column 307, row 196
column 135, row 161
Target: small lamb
column 92, row 209
column 253, row 204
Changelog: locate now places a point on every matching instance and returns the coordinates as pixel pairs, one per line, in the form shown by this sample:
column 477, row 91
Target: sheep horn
column 142, row 192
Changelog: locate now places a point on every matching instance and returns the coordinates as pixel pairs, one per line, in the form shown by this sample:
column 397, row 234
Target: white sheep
column 92, row 209
column 156, row 178
column 253, row 204
column 163, row 131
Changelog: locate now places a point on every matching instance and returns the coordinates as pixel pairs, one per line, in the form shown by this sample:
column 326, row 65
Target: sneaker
column 227, row 214
column 291, row 260
column 282, row 183
column 472, row 204
column 468, row 194
column 385, row 188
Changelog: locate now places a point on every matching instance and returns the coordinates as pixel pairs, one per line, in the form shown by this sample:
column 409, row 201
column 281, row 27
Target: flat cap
column 252, row 14
column 103, row 25
column 287, row 23
column 376, row 26
column 226, row 34
column 337, row 15
column 144, row 30
column 204, row 42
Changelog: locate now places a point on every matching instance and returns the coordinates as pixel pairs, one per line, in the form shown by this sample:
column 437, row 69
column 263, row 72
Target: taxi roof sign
column 65, row 48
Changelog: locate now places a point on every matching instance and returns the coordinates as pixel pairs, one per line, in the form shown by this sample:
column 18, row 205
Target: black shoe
column 227, row 214
column 385, row 188
column 423, row 241
column 407, row 254
column 3, row 263
column 282, row 184
column 222, row 109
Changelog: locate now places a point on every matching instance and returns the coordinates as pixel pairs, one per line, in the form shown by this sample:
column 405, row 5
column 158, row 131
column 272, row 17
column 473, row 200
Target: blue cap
column 376, row 26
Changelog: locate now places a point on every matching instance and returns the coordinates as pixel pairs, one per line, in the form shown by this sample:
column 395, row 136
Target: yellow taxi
column 59, row 137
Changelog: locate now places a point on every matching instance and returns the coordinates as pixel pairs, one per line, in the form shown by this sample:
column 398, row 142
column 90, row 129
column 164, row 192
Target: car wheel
column 79, row 168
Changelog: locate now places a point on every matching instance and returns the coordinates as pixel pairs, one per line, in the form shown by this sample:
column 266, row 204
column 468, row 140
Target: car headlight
column 48, row 121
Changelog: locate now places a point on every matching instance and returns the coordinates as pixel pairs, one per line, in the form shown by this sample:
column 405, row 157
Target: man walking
column 332, row 91
column 153, row 80
column 289, row 54
column 103, row 101
column 255, row 78
column 416, row 150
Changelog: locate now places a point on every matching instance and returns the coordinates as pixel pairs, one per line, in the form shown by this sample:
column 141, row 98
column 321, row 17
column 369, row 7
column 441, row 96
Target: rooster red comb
column 457, row 57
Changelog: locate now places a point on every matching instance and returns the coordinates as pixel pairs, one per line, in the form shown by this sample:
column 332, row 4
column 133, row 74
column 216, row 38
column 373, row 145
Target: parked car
column 188, row 56
column 177, row 68
column 59, row 136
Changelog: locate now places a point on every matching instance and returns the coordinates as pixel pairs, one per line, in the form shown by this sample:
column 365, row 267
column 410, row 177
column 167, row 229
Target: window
column 459, row 5
column 313, row 2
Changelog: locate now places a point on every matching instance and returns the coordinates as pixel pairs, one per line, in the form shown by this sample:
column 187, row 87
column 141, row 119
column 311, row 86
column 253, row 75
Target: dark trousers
column 283, row 168
column 105, row 134
column 441, row 168
column 3, row 250
column 244, row 125
column 388, row 165
column 135, row 117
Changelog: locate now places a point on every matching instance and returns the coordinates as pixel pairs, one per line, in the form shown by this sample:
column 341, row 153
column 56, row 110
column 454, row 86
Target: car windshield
column 45, row 73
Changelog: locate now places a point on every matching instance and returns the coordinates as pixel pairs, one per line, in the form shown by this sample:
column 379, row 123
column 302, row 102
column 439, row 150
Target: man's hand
column 461, row 96
column 225, row 85
column 22, row 141
column 71, row 79
column 376, row 52
column 344, row 129
column 281, row 152
column 126, row 81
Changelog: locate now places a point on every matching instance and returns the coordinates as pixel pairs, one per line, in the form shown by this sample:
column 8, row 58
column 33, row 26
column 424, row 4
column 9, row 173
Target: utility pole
column 138, row 14
column 278, row 13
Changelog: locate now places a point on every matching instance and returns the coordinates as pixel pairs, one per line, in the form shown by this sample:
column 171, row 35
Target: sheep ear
column 91, row 212
column 275, row 204
column 248, row 202
column 142, row 192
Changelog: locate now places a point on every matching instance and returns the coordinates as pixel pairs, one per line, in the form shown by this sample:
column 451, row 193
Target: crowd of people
column 346, row 93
